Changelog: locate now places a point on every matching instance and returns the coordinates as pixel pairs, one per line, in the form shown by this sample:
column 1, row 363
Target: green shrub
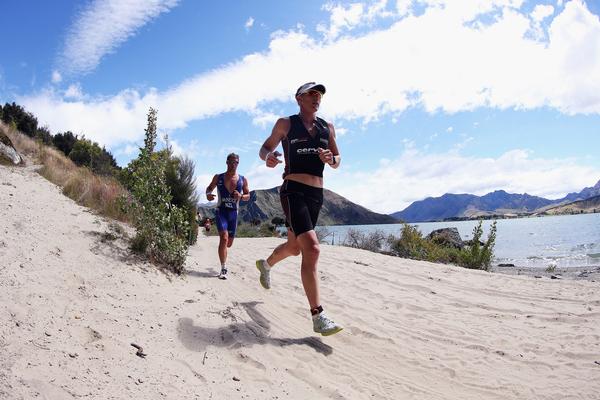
column 181, row 182
column 479, row 256
column 162, row 228
column 86, row 153
column 551, row 268
column 475, row 255
column 179, row 178
column 410, row 245
column 64, row 141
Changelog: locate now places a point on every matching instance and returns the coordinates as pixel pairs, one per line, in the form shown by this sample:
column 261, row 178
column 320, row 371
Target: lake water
column 564, row 241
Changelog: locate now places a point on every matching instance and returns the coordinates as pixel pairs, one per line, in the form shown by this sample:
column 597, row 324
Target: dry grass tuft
column 99, row 193
column 23, row 143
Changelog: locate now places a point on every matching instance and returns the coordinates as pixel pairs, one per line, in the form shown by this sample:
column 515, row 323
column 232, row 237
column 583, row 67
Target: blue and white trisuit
column 227, row 206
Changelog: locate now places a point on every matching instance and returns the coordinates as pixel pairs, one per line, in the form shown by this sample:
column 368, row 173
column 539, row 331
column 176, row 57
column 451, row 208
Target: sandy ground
column 73, row 299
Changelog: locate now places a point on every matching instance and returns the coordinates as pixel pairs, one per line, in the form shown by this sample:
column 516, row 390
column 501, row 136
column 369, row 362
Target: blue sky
column 427, row 96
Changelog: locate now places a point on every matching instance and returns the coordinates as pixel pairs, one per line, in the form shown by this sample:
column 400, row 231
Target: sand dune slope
column 73, row 299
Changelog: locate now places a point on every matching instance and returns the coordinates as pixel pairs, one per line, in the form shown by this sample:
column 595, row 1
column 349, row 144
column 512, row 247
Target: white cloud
column 56, row 77
column 461, row 145
column 339, row 131
column 192, row 149
column 436, row 61
column 128, row 150
column 542, row 11
column 261, row 177
column 104, row 25
column 178, row 151
column 345, row 18
column 265, row 119
column 403, row 7
column 249, row 23
column 449, row 129
column 416, row 175
column 341, row 18
column 108, row 121
column 539, row 13
column 74, row 92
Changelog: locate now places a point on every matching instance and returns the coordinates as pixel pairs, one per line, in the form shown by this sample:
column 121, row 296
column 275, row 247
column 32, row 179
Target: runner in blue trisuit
column 231, row 188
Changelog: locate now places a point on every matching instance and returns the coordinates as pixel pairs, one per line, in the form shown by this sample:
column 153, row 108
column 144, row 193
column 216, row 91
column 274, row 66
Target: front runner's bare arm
column 279, row 132
column 332, row 155
column 336, row 156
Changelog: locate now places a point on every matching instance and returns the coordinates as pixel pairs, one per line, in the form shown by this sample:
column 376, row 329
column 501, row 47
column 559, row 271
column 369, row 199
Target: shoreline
column 586, row 273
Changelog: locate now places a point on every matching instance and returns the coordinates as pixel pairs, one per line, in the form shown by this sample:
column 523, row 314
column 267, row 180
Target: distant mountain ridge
column 499, row 202
column 591, row 204
column 264, row 205
column 586, row 193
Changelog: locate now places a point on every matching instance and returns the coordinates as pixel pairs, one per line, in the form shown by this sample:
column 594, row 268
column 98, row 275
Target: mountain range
column 264, row 205
column 497, row 204
column 591, row 204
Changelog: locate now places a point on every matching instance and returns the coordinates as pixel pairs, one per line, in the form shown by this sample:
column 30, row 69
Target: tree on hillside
column 89, row 154
column 24, row 121
column 44, row 135
column 65, row 142
column 84, row 152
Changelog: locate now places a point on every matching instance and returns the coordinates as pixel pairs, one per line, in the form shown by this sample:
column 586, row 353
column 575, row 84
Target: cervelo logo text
column 307, row 150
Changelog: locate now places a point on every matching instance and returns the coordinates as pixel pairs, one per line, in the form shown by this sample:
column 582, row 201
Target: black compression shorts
column 301, row 205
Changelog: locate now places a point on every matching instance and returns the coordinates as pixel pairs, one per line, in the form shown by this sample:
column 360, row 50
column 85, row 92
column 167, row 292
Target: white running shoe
column 265, row 274
column 223, row 274
column 325, row 326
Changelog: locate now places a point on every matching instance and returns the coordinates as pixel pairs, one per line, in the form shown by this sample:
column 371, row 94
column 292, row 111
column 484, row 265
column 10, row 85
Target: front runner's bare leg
column 309, row 246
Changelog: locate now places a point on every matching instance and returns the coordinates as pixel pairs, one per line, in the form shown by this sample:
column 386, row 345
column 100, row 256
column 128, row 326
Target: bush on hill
column 80, row 184
column 180, row 179
column 89, row 154
column 43, row 134
column 64, row 141
column 22, row 120
column 162, row 229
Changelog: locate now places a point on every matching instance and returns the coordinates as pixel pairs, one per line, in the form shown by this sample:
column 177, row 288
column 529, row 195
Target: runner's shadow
column 240, row 334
